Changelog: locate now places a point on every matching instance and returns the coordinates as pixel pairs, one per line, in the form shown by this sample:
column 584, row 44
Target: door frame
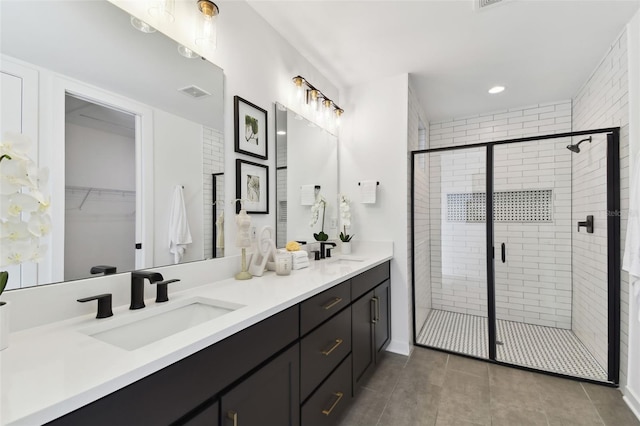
column 613, row 247
column 60, row 87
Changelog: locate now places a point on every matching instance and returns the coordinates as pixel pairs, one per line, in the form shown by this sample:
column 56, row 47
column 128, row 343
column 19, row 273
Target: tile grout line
column 592, row 404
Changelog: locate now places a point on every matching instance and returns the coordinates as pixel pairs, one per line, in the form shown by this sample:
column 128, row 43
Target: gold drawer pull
column 333, row 348
column 339, row 396
column 232, row 415
column 332, row 303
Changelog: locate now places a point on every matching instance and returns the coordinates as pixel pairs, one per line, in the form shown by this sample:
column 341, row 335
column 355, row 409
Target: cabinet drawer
column 323, row 306
column 369, row 279
column 323, row 349
column 331, row 399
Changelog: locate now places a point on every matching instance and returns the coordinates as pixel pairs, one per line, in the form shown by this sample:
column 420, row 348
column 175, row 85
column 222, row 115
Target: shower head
column 576, row 148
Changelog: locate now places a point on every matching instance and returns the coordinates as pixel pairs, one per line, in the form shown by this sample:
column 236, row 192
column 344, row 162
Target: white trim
column 632, row 401
column 398, row 347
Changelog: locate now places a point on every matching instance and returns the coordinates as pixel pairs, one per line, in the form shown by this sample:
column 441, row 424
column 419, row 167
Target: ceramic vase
column 345, row 248
column 4, row 325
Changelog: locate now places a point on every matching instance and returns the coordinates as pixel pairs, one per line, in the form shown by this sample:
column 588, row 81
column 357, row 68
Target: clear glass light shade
column 162, row 9
column 206, row 27
column 186, row 52
column 141, row 26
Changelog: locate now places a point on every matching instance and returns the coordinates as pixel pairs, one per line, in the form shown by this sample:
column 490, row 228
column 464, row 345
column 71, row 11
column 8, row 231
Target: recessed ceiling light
column 496, row 89
column 281, row 132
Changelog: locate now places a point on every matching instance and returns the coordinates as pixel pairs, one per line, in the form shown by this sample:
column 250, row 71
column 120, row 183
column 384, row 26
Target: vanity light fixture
column 141, row 26
column 326, row 109
column 206, row 27
column 496, row 89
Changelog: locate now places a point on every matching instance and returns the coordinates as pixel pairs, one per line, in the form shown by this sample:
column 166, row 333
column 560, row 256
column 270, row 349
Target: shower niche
column 503, row 269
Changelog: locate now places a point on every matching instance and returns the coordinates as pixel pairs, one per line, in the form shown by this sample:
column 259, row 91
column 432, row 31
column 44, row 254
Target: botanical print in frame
column 250, row 127
column 252, row 186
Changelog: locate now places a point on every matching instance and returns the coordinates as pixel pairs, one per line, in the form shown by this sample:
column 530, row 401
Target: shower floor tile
column 544, row 348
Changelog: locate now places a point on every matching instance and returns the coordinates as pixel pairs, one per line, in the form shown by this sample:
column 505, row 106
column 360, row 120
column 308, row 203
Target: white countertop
column 51, row 370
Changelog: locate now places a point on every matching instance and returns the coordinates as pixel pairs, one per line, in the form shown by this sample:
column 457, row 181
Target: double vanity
column 271, row 350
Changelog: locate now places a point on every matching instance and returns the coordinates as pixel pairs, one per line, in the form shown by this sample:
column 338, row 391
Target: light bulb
column 313, row 99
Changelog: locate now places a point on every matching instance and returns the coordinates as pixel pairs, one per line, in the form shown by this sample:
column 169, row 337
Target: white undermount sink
column 136, row 331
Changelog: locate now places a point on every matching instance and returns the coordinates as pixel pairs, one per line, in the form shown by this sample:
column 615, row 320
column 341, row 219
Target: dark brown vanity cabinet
column 297, row 367
column 268, row 396
column 370, row 320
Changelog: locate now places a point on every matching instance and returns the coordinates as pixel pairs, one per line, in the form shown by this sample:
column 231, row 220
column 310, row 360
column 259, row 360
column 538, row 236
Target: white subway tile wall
column 213, row 162
column 602, row 102
column 458, row 262
column 418, row 138
column 534, row 285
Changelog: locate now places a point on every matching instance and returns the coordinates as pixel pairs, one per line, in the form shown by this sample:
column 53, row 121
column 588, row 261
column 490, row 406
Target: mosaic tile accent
column 508, row 206
column 544, row 348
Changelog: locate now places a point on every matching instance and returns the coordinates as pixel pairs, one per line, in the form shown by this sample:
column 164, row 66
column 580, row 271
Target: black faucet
column 324, row 253
column 103, row 269
column 137, row 286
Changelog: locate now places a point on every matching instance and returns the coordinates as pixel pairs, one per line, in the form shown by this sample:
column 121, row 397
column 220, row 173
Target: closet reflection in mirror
column 174, row 135
column 100, row 199
column 305, row 155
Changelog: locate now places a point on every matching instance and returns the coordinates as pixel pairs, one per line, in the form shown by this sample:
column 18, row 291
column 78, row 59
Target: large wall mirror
column 123, row 122
column 306, row 157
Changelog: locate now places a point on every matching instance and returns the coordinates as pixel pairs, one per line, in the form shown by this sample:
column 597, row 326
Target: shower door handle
column 504, row 253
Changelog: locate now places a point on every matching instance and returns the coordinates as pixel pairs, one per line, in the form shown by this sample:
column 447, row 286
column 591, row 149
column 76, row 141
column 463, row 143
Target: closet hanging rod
column 102, row 190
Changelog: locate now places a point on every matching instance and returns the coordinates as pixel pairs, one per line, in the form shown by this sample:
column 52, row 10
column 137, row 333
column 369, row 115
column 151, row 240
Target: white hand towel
column 179, row 233
column 368, row 190
column 631, row 259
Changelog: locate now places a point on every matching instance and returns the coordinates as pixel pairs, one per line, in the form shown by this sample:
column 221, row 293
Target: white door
column 18, row 114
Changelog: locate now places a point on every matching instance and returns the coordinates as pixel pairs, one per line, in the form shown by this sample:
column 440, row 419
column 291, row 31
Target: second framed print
column 252, row 186
column 250, row 128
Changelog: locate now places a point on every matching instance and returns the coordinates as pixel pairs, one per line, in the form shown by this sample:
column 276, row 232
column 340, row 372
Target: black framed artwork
column 250, row 128
column 252, row 186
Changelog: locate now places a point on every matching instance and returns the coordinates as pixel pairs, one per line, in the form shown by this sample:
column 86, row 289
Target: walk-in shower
column 516, row 252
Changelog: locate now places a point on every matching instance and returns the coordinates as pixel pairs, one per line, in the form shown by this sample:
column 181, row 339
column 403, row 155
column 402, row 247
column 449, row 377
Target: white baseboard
column 397, row 347
column 632, row 401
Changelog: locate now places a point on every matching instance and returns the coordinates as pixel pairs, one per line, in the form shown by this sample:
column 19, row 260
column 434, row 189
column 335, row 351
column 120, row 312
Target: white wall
column 177, row 147
column 632, row 389
column 373, row 146
column 258, row 66
column 602, row 102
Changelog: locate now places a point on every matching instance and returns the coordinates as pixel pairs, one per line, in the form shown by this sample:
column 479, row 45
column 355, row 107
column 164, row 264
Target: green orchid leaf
column 4, row 277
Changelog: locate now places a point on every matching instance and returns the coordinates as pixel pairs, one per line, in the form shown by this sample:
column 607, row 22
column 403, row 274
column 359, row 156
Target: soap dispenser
column 243, row 239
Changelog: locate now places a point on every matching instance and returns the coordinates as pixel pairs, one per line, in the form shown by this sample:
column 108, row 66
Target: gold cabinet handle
column 233, row 415
column 372, row 303
column 376, row 301
column 333, row 302
column 337, row 343
column 338, row 396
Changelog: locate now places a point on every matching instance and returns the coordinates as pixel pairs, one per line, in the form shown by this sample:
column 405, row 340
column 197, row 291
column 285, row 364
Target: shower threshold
column 544, row 348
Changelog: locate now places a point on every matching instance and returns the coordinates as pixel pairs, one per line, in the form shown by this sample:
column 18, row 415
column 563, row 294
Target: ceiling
column 541, row 50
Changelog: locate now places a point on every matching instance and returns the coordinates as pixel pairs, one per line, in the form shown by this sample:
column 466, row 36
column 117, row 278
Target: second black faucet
column 137, row 287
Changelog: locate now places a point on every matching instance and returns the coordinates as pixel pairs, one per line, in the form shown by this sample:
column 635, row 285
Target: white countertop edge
column 40, row 415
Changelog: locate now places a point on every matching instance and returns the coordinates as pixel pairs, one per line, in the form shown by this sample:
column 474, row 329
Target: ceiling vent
column 194, row 92
column 482, row 4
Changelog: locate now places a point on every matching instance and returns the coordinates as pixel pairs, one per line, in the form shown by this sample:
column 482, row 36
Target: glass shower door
column 450, row 273
column 535, row 193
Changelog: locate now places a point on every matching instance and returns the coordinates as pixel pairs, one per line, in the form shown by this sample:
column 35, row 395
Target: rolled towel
column 301, row 254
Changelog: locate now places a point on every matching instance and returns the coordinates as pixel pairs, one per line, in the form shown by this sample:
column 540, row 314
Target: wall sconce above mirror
column 325, row 111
